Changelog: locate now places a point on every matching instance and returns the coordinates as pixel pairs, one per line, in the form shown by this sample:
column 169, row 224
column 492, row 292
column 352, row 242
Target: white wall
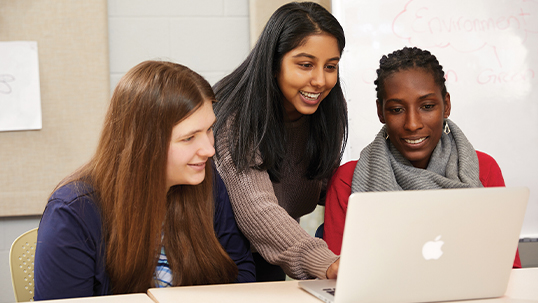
column 209, row 36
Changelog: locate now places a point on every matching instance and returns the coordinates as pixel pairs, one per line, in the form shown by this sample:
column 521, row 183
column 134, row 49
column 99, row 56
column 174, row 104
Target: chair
column 21, row 259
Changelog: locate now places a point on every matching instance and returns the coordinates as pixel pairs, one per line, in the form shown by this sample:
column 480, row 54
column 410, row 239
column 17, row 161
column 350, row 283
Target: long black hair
column 408, row 58
column 250, row 101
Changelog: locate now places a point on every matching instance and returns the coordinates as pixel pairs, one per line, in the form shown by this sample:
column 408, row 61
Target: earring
column 386, row 135
column 447, row 129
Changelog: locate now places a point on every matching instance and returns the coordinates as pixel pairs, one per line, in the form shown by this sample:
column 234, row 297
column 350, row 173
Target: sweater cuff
column 317, row 261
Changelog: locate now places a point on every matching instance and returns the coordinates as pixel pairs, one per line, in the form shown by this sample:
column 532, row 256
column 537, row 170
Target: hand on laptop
column 332, row 271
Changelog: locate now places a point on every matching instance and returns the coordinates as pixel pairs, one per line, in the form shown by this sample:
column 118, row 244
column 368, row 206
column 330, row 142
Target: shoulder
column 485, row 159
column 74, row 201
column 72, row 192
column 348, row 167
column 70, row 235
column 344, row 173
column 486, row 162
column 71, row 222
column 489, row 171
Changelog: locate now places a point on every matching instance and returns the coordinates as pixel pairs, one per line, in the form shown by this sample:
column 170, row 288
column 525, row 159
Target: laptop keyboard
column 330, row 290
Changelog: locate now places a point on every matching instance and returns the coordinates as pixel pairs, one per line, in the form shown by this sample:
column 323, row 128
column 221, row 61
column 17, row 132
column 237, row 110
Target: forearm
column 272, row 231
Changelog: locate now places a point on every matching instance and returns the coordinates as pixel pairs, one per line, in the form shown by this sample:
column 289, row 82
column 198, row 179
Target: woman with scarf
column 418, row 147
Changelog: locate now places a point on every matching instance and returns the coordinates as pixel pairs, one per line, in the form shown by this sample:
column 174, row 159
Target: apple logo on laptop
column 432, row 249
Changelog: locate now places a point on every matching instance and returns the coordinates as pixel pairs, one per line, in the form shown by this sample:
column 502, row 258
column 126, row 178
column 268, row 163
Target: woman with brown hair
column 148, row 209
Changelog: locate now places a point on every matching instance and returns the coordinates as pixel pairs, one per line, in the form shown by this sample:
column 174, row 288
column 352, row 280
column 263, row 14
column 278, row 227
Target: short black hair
column 408, row 58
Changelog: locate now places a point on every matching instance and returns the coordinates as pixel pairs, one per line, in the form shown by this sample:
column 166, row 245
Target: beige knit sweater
column 268, row 213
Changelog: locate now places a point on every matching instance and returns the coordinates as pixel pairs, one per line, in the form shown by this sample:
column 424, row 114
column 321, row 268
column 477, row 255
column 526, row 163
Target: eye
column 305, row 65
column 332, row 67
column 396, row 110
column 188, row 139
column 429, row 106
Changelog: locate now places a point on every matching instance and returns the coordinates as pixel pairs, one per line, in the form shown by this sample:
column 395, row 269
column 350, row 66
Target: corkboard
column 72, row 41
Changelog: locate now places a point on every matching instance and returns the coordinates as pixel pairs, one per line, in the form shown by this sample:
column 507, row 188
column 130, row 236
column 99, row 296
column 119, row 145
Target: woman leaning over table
column 148, row 210
column 280, row 131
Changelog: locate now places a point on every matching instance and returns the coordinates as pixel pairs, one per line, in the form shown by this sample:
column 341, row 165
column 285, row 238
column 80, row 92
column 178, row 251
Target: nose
column 207, row 148
column 318, row 77
column 413, row 120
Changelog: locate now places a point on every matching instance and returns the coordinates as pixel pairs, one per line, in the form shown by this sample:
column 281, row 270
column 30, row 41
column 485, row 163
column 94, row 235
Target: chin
column 309, row 111
column 196, row 181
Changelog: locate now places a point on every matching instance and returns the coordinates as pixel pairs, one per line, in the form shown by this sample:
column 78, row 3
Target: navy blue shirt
column 70, row 253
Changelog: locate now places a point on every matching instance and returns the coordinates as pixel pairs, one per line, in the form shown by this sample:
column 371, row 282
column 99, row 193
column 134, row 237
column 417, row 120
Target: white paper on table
column 20, row 97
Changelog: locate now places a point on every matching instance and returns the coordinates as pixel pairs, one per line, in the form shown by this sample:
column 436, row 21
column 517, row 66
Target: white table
column 522, row 288
column 130, row 298
column 274, row 292
column 523, row 284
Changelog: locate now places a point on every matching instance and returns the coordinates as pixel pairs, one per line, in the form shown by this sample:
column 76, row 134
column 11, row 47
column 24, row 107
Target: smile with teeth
column 197, row 164
column 414, row 141
column 310, row 96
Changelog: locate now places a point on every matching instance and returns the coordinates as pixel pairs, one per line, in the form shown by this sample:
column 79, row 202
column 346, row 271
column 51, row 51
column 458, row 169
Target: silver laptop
column 425, row 246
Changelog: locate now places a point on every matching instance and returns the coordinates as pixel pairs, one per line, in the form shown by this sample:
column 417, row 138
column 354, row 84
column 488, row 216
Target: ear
column 447, row 105
column 380, row 112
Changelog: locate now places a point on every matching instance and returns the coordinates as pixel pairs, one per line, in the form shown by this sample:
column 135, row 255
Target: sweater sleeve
column 229, row 235
column 491, row 176
column 272, row 231
column 336, row 201
column 68, row 260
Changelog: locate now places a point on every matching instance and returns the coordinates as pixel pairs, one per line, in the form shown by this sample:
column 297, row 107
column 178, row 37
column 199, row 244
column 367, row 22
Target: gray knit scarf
column 381, row 167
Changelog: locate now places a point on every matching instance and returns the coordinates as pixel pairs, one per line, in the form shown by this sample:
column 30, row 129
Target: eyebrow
column 426, row 96
column 194, row 131
column 314, row 57
column 420, row 98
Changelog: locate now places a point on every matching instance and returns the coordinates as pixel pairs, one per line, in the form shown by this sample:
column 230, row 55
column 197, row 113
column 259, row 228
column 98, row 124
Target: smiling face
column 191, row 145
column 307, row 74
column 414, row 111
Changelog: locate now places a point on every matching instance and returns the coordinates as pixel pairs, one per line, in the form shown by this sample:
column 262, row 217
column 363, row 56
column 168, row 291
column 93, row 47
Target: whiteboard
column 489, row 51
column 20, row 97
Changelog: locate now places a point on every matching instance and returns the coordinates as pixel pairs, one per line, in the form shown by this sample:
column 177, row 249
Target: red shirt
column 339, row 190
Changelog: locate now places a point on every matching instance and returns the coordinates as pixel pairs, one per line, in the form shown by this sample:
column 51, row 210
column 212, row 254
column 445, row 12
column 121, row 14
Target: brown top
column 268, row 213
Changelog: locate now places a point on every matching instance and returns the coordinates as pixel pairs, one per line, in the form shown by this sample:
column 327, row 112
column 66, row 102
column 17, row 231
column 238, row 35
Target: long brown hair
column 128, row 175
